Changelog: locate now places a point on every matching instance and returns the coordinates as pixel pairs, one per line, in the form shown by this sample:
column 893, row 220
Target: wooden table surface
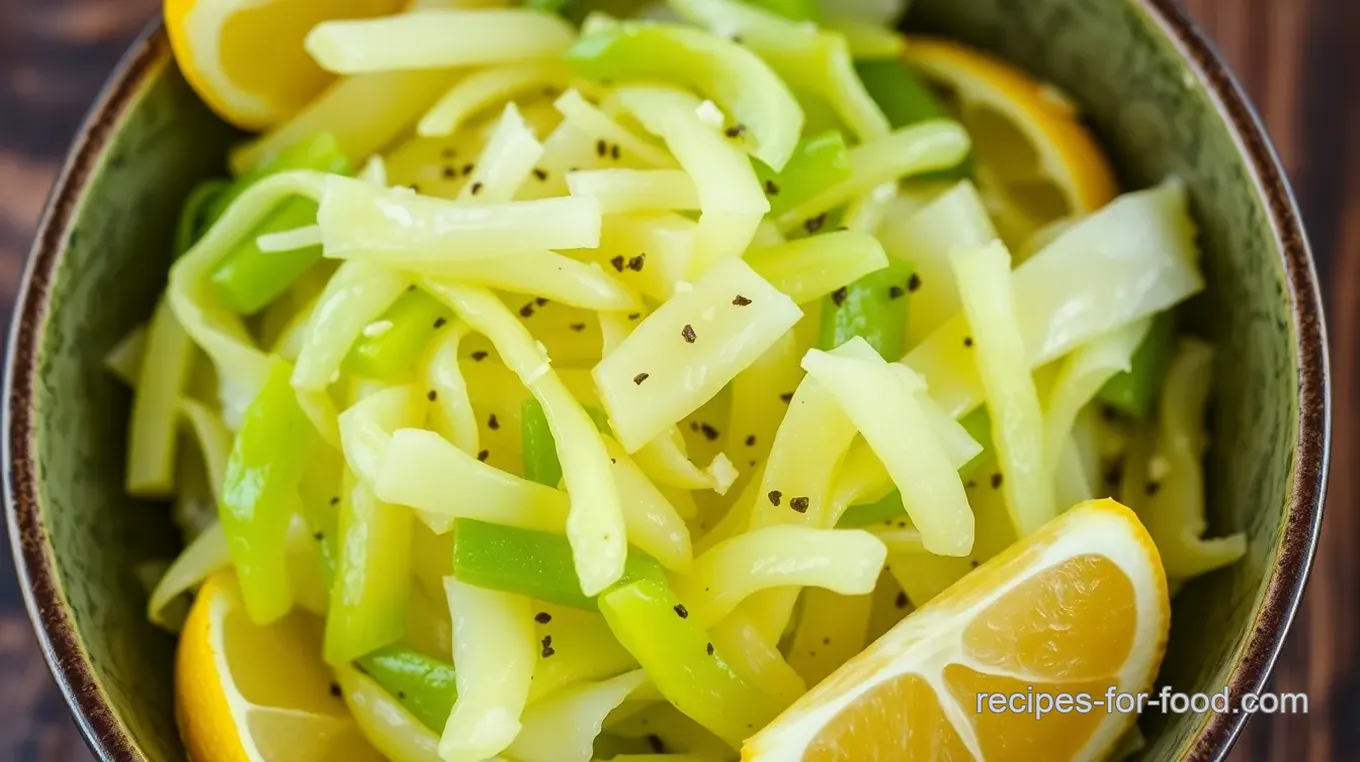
column 1297, row 58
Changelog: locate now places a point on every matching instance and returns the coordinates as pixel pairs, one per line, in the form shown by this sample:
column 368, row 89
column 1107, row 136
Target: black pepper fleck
column 771, row 188
column 751, row 441
column 971, row 484
column 814, row 224
column 735, row 131
column 838, row 296
column 492, row 423
column 681, row 611
column 901, row 601
column 996, row 481
column 634, row 315
column 786, row 396
column 968, row 341
column 914, row 282
column 527, row 310
column 710, row 433
column 478, row 356
column 1152, row 488
column 541, row 174
column 896, row 292
column 318, row 536
column 710, row 649
column 617, row 262
column 450, row 173
column 615, row 152
column 635, row 264
column 432, row 396
column 483, row 455
column 578, row 327
column 540, row 301
column 774, row 496
column 440, row 322
column 335, row 690
column 688, row 333
column 467, row 169
column 826, row 641
column 547, row 646
column 639, row 378
column 601, row 147
column 335, row 501
column 799, row 504
column 476, row 188
column 542, row 617
column 741, row 301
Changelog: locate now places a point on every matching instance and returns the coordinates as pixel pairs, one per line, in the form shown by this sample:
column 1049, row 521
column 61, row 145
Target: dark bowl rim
column 36, row 564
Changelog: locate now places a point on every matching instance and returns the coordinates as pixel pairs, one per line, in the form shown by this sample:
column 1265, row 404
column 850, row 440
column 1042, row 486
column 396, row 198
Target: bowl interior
column 99, row 275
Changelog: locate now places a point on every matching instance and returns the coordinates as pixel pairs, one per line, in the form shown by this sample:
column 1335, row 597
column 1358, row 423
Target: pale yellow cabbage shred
column 451, row 412
column 563, row 726
column 1174, row 512
column 730, row 197
column 1002, row 360
column 438, row 39
column 727, row 337
column 480, row 90
column 884, row 406
column 495, row 650
column 844, row 560
column 505, row 164
column 636, row 190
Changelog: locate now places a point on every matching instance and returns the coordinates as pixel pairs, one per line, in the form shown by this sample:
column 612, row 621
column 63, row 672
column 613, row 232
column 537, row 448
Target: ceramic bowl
column 1156, row 94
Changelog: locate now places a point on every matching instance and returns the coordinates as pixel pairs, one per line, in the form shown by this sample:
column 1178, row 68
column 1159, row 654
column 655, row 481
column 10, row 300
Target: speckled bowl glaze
column 1156, row 94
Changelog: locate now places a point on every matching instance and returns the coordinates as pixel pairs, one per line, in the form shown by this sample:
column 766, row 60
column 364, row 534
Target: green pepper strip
column 869, row 514
column 818, row 163
column 906, row 100
column 259, row 493
column 538, row 447
column 652, row 623
column 197, row 213
column 320, row 492
column 536, row 564
column 1133, row 392
column 978, row 424
column 248, row 279
column 424, row 685
column 873, row 307
column 415, row 319
column 372, row 577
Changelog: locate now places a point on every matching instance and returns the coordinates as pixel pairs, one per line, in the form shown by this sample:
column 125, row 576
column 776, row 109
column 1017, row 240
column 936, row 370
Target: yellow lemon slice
column 245, row 57
column 1079, row 608
column 1035, row 162
column 245, row 693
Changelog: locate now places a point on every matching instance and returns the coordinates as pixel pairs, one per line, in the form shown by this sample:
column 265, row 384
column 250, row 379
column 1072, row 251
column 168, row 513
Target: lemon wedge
column 1035, row 161
column 1079, row 607
column 245, row 57
column 245, row 693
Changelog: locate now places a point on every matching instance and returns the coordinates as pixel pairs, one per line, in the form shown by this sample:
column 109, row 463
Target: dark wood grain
column 1297, row 58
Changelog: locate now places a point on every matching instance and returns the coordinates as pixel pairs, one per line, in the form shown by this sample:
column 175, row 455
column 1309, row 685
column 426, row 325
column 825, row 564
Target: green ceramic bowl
column 1158, row 97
